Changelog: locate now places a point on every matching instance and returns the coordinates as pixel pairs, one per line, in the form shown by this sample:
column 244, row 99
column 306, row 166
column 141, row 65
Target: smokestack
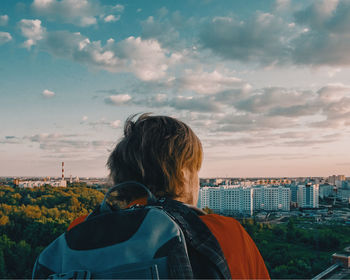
column 62, row 170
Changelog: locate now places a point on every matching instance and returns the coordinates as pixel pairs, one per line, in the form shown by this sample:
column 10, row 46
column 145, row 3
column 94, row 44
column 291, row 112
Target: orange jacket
column 242, row 255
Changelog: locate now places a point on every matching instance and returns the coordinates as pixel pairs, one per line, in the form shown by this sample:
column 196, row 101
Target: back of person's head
column 158, row 151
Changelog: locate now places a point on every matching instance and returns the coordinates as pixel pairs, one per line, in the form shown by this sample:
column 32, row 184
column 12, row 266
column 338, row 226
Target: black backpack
column 163, row 239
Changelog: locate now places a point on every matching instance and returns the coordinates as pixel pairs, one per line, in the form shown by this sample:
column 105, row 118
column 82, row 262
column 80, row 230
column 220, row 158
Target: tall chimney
column 62, row 170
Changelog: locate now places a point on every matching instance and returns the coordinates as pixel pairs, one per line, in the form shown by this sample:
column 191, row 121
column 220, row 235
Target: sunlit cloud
column 48, row 93
column 5, row 37
column 4, row 19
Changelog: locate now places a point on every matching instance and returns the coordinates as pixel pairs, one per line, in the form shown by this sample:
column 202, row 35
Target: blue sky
column 264, row 84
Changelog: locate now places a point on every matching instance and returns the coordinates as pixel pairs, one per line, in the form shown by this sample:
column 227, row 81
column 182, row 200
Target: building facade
column 272, row 198
column 307, row 196
column 237, row 199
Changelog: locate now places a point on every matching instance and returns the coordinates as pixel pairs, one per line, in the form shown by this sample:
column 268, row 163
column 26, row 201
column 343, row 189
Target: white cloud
column 79, row 12
column 64, row 145
column 315, row 34
column 208, row 82
column 32, row 30
column 5, row 37
column 282, row 5
column 118, row 99
column 112, row 18
column 269, row 99
column 258, row 38
column 86, row 21
column 146, row 59
column 333, row 92
column 119, row 8
column 48, row 93
column 116, row 124
column 84, row 118
column 4, row 20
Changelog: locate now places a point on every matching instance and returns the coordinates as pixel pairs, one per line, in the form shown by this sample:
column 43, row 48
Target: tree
column 2, row 265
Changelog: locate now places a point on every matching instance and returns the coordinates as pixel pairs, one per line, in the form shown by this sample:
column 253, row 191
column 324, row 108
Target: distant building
column 326, row 190
column 307, row 196
column 293, row 192
column 342, row 259
column 32, row 184
column 227, row 199
column 272, row 198
column 332, row 179
column 239, row 199
column 344, row 194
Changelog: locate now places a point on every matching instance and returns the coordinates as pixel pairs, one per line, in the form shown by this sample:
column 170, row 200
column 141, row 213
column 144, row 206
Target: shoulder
column 241, row 253
column 77, row 221
column 227, row 231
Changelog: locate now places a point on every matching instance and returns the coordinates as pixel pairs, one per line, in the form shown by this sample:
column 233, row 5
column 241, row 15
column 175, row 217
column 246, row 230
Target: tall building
column 332, row 179
column 293, row 192
column 229, row 200
column 272, row 198
column 325, row 190
column 307, row 196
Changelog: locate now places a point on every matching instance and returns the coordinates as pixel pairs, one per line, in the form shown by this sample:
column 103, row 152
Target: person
column 165, row 155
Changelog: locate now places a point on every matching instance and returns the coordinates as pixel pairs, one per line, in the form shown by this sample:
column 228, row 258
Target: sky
column 264, row 84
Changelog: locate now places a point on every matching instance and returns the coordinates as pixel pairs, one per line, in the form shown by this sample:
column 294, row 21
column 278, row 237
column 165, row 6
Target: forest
column 31, row 218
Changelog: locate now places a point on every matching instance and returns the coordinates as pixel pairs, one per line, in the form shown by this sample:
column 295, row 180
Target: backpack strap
column 197, row 234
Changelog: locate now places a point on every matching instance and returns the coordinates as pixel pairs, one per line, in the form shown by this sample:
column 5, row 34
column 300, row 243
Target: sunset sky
column 264, row 84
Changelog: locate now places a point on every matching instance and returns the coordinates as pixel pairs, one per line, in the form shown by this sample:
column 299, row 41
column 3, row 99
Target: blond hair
column 154, row 151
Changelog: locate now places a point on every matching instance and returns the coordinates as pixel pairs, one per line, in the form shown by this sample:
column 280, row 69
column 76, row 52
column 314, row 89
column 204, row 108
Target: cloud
column 328, row 36
column 315, row 35
column 116, row 124
column 84, row 118
column 48, row 93
column 4, row 20
column 5, row 37
column 163, row 31
column 146, row 59
column 10, row 140
column 69, row 145
column 282, row 5
column 79, row 12
column 112, row 18
column 118, row 8
column 208, row 82
column 267, row 99
column 333, row 92
column 259, row 38
column 197, row 104
column 105, row 123
column 179, row 103
column 32, row 30
column 170, row 29
column 118, row 99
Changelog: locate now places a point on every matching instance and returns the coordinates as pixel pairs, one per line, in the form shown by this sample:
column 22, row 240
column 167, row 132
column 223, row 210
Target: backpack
column 163, row 239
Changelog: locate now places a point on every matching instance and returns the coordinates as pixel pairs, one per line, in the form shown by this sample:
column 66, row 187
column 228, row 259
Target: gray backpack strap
column 198, row 235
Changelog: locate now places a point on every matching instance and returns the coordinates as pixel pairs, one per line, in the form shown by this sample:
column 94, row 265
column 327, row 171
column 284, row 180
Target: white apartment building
column 307, row 196
column 32, row 184
column 272, row 198
column 229, row 200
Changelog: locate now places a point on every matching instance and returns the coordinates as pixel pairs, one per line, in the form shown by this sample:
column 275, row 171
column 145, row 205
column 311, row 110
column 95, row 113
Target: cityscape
column 313, row 203
column 263, row 84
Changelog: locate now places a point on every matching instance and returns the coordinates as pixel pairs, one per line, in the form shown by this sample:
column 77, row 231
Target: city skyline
column 263, row 84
